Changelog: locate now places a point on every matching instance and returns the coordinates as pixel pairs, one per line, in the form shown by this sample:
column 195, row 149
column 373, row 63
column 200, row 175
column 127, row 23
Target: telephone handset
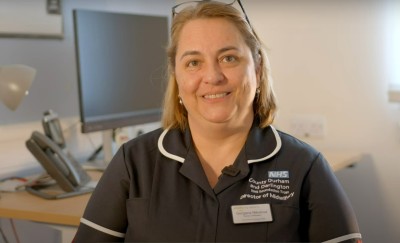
column 52, row 128
column 59, row 164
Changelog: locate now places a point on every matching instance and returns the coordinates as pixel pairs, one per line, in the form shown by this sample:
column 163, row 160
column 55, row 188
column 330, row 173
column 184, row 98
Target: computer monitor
column 121, row 64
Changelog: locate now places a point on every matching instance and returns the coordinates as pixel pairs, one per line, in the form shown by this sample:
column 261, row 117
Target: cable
column 3, row 235
column 97, row 149
column 15, row 231
column 95, row 153
column 91, row 141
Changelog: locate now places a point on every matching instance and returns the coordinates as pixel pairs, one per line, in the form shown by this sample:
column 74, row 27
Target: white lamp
column 15, row 81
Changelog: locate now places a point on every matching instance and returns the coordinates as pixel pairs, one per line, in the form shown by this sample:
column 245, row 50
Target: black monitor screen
column 121, row 62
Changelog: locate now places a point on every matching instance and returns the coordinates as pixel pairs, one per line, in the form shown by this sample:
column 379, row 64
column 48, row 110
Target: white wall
column 329, row 58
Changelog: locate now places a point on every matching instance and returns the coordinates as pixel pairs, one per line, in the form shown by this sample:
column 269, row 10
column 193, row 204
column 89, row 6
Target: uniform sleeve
column 104, row 219
column 330, row 215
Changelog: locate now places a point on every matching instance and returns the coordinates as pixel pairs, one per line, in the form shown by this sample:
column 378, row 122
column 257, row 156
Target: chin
column 218, row 119
column 218, row 115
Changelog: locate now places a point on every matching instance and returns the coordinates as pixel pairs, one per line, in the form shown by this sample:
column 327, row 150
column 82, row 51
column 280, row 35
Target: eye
column 229, row 59
column 193, row 63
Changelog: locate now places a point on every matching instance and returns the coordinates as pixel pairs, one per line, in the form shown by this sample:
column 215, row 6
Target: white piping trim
column 180, row 159
column 102, row 229
column 164, row 152
column 277, row 148
column 343, row 238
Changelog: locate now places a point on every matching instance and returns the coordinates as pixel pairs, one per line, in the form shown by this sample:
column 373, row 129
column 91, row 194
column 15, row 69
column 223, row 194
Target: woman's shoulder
column 148, row 139
column 296, row 145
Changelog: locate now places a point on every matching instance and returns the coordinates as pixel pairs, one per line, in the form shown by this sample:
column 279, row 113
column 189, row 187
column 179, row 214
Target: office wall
column 329, row 58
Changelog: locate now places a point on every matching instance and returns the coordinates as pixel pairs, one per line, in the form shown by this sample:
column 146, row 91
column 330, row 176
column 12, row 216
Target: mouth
column 216, row 96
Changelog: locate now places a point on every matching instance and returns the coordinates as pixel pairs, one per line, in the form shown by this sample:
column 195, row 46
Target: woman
column 217, row 171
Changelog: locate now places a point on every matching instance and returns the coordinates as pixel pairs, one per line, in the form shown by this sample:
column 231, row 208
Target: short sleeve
column 329, row 212
column 105, row 218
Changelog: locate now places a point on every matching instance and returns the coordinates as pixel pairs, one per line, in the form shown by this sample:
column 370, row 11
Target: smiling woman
column 216, row 74
column 218, row 171
column 217, row 84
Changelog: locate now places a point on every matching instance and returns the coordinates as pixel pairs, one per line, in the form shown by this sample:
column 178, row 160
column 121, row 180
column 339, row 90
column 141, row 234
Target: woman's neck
column 211, row 132
column 218, row 145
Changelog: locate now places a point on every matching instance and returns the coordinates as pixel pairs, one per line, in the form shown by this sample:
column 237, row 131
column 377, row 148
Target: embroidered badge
column 278, row 174
column 276, row 186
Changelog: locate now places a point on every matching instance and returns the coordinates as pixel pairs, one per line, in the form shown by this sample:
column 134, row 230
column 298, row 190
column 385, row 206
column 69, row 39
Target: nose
column 213, row 74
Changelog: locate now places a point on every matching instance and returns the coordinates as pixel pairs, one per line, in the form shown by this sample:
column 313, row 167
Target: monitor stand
column 107, row 149
column 113, row 138
column 108, row 145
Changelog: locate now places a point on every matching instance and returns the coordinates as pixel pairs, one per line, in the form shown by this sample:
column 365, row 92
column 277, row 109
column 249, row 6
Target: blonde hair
column 174, row 114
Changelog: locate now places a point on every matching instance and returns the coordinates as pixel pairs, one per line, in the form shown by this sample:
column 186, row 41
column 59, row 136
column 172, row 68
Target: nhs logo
column 278, row 174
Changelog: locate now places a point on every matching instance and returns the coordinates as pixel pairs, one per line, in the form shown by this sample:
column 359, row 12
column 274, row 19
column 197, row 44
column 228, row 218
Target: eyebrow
column 189, row 53
column 222, row 50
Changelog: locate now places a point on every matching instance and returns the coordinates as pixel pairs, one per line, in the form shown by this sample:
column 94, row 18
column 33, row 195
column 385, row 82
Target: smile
column 215, row 96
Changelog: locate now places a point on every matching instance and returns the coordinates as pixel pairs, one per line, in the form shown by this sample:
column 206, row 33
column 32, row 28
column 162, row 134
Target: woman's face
column 215, row 72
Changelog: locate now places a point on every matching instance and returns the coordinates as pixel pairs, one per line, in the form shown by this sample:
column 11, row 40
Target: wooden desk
column 23, row 205
column 343, row 159
column 68, row 211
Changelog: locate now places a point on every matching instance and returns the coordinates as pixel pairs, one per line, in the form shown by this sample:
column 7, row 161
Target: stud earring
column 258, row 92
column 180, row 100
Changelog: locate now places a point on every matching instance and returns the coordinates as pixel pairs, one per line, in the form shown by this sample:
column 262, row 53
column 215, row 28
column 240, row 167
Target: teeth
column 215, row 96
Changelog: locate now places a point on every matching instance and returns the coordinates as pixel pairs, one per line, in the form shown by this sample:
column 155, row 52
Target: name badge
column 251, row 213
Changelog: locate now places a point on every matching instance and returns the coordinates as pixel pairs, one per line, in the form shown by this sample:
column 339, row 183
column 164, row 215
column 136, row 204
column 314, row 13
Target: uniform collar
column 261, row 144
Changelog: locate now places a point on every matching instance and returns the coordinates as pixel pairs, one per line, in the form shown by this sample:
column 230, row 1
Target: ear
column 258, row 67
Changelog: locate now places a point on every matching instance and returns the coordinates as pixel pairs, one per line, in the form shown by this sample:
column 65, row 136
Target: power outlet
column 308, row 126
